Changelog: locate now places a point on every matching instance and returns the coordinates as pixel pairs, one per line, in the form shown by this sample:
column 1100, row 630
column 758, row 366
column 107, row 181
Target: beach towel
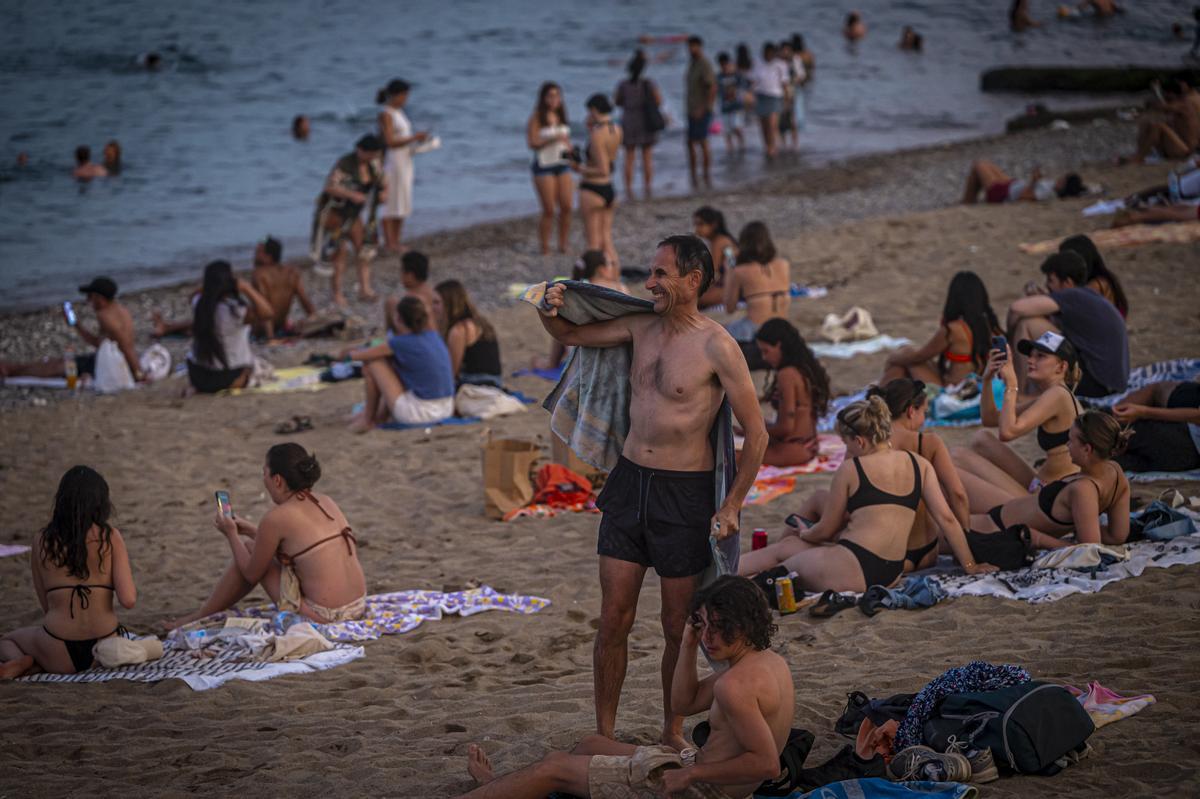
column 589, row 407
column 1038, row 586
column 775, row 481
column 7, row 550
column 1180, row 369
column 392, row 614
column 450, row 420
column 849, row 349
column 553, row 375
column 879, row 788
column 1105, row 706
column 1129, row 236
column 203, row 669
column 285, row 381
column 1150, row 477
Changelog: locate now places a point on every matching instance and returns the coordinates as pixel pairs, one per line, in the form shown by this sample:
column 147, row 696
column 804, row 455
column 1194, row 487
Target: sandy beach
column 882, row 232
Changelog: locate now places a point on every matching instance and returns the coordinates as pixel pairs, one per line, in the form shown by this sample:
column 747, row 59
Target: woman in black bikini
column 1074, row 503
column 303, row 552
column 597, row 198
column 80, row 570
column 870, row 549
column 992, row 471
column 907, row 403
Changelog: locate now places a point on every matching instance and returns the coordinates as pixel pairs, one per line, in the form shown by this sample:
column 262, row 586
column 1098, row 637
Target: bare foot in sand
column 478, row 765
column 340, row 301
column 368, row 296
column 360, row 424
column 12, row 669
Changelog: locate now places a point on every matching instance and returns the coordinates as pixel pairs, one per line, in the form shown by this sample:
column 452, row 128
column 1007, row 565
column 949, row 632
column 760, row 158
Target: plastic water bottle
column 197, row 639
column 70, row 369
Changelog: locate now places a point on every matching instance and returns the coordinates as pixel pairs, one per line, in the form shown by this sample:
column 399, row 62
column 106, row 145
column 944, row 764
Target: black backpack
column 1030, row 728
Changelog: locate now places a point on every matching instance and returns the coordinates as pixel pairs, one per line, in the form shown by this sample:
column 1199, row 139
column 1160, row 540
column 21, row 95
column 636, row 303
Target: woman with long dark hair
column 798, row 390
column 548, row 135
column 80, row 570
column 469, row 336
column 1099, row 278
column 220, row 355
column 761, row 278
column 961, row 344
column 302, row 552
column 709, row 224
column 635, row 96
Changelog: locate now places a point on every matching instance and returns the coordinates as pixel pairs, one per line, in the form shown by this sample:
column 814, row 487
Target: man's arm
column 598, row 334
column 123, row 336
column 690, row 695
column 759, row 759
column 734, row 376
column 302, row 293
column 1027, row 307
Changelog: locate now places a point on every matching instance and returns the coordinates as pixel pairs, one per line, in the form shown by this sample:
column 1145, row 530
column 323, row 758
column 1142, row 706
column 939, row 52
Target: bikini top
column 1047, row 440
column 868, row 495
column 1050, row 492
column 954, row 357
column 82, row 591
column 345, row 534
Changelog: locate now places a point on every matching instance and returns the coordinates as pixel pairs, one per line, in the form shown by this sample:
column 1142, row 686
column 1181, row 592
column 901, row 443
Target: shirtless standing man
column 414, row 277
column 749, row 706
column 280, row 284
column 115, row 323
column 658, row 500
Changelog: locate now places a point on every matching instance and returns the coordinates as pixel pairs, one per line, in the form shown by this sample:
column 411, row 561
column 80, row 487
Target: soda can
column 785, row 595
column 759, row 539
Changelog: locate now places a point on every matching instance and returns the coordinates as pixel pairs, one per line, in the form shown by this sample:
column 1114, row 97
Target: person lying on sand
column 1074, row 504
column 1165, row 419
column 871, row 544
column 992, row 471
column 281, row 285
column 960, row 345
column 907, row 402
column 1158, row 215
column 408, row 378
column 749, row 706
column 798, row 390
column 80, row 570
column 115, row 325
column 998, row 187
column 302, row 552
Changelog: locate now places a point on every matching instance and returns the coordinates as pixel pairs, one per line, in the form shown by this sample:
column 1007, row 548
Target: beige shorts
column 639, row 776
column 411, row 409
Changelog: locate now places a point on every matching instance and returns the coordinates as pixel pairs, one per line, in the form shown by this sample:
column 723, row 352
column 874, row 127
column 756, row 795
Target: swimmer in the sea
column 84, row 168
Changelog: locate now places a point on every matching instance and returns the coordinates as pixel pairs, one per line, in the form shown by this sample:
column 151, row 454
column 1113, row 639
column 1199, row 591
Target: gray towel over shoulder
column 589, row 408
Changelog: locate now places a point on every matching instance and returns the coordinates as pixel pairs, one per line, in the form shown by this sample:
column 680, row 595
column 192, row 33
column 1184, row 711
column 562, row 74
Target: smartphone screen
column 223, row 504
column 69, row 312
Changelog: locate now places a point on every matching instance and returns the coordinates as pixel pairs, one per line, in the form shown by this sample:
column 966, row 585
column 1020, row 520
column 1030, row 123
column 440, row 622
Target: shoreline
column 840, row 170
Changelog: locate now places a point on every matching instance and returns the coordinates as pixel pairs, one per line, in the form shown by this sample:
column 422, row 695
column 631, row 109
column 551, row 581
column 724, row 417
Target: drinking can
column 759, row 539
column 785, row 595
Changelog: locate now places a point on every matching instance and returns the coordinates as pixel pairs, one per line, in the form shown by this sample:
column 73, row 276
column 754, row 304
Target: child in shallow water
column 80, row 570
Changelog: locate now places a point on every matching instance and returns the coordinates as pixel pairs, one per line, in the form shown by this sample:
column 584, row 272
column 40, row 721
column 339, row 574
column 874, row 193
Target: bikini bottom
column 80, row 649
column 875, row 570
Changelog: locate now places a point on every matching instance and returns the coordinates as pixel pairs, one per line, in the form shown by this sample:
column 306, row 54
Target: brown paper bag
column 506, row 467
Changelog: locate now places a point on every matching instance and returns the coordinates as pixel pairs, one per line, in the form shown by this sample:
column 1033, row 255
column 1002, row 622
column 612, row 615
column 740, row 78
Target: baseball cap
column 104, row 286
column 1052, row 343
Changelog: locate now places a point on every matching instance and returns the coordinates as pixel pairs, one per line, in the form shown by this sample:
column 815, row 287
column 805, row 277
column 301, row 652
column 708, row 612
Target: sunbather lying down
column 880, row 488
column 749, row 708
column 1157, row 215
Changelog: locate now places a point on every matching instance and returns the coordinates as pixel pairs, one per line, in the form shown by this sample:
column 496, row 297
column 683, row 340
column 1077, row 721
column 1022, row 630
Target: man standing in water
column 701, row 94
column 658, row 502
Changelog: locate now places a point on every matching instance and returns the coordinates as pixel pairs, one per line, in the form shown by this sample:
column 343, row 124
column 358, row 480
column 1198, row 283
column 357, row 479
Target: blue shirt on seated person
column 423, row 363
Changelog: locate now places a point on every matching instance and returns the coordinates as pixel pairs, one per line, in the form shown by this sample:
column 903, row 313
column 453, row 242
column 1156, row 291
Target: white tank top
column 551, row 154
column 401, row 127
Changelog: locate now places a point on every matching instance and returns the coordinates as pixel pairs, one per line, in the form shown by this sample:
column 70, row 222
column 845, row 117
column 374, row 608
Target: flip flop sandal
column 297, row 424
column 831, row 603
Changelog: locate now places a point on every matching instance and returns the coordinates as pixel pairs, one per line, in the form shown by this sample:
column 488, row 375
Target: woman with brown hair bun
column 302, row 552
column 1074, row 503
column 880, row 489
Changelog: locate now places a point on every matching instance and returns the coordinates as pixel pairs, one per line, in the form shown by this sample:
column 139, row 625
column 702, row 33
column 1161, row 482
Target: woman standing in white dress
column 398, row 138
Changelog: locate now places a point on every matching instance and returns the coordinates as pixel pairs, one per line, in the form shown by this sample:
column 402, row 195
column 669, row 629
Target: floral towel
column 400, row 612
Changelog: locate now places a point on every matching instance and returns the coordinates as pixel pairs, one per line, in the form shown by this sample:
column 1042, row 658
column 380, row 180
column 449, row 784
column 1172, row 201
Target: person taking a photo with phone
column 113, row 339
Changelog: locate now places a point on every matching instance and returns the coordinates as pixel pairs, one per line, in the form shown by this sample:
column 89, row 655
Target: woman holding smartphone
column 991, row 471
column 302, row 552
